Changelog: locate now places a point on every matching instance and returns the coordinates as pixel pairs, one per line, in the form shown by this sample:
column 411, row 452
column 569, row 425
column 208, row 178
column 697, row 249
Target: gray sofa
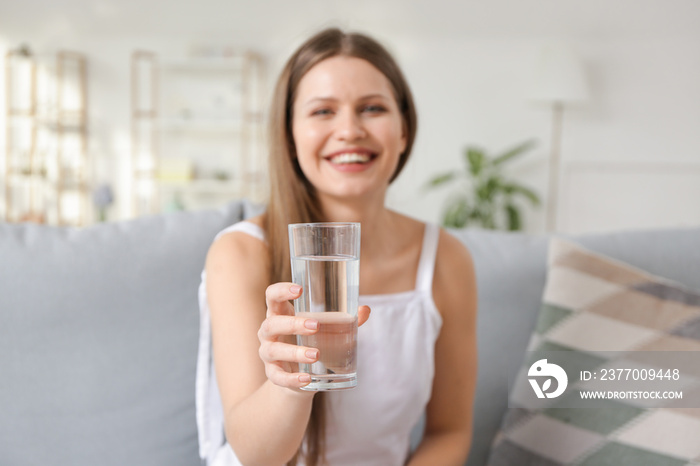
column 99, row 330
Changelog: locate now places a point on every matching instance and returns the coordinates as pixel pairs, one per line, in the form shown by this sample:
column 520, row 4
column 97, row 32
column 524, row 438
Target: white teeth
column 350, row 158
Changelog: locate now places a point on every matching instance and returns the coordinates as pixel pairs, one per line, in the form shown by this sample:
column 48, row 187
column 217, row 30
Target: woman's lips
column 351, row 162
column 350, row 157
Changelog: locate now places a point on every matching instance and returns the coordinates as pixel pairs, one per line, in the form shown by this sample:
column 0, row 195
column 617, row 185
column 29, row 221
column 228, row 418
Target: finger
column 277, row 298
column 280, row 377
column 278, row 351
column 362, row 314
column 275, row 326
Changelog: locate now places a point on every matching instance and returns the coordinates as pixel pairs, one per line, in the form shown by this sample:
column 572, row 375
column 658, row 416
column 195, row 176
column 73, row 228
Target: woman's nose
column 350, row 127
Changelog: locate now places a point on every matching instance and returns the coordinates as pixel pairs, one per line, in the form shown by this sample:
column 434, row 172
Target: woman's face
column 347, row 128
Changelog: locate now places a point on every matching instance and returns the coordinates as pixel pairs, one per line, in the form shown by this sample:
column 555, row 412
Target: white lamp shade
column 559, row 76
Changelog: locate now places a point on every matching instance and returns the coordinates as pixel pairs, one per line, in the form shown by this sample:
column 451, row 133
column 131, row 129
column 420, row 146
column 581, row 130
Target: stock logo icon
column 542, row 370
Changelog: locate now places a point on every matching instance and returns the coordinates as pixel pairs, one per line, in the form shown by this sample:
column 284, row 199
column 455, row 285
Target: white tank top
column 370, row 424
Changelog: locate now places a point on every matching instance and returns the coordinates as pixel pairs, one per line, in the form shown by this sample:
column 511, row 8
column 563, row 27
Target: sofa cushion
column 600, row 315
column 98, row 340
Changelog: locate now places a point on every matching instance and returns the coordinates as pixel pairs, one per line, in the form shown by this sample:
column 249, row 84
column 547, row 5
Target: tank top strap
column 247, row 227
column 426, row 264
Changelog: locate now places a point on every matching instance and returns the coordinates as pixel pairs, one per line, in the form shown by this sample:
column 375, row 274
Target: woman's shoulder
column 451, row 245
column 250, row 227
column 239, row 246
column 454, row 267
column 452, row 252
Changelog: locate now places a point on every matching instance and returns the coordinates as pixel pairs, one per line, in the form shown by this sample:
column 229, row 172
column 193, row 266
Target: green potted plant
column 486, row 198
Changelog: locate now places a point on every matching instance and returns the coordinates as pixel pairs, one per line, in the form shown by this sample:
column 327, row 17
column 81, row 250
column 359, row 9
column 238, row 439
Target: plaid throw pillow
column 606, row 315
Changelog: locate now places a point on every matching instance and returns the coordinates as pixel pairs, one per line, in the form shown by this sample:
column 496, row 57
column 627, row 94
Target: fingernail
column 311, row 354
column 305, row 378
column 311, row 324
column 294, row 289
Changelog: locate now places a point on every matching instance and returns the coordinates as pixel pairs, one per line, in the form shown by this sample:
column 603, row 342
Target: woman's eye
column 322, row 111
column 374, row 109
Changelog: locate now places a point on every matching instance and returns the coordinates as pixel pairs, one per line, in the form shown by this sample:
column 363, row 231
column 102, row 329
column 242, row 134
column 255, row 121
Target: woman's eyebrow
column 314, row 100
column 374, row 96
column 319, row 99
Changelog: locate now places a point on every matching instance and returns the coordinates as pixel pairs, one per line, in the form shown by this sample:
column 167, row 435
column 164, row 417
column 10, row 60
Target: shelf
column 46, row 139
column 17, row 180
column 20, row 113
column 198, row 124
column 193, row 118
column 144, row 172
column 25, row 175
column 51, row 125
column 66, row 127
column 208, row 64
column 202, row 186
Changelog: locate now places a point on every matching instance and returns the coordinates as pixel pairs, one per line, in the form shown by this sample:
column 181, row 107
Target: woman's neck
column 379, row 224
column 352, row 211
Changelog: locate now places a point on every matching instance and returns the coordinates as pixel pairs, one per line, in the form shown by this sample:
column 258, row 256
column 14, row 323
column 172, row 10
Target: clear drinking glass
column 326, row 264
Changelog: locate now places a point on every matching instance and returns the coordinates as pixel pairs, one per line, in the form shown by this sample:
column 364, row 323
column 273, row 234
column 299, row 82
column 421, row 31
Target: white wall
column 635, row 144
column 631, row 155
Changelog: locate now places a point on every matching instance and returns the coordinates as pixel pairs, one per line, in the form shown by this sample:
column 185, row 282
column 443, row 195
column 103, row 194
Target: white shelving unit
column 46, row 167
column 197, row 131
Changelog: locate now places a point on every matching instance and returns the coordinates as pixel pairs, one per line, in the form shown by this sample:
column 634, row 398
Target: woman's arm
column 264, row 421
column 448, row 429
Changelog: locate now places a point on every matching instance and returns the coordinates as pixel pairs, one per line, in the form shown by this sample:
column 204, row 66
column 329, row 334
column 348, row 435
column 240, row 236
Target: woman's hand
column 280, row 355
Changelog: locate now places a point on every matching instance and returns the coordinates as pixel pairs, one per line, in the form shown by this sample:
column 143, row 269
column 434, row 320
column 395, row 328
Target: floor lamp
column 559, row 82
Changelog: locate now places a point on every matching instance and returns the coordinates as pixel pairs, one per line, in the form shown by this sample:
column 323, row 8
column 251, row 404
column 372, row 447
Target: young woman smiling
column 343, row 124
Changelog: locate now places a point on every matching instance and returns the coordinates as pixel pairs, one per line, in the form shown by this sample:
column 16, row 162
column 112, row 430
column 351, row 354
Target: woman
column 343, row 123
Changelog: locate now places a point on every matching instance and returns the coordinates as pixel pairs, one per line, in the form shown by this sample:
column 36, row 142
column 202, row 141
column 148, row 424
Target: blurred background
column 112, row 110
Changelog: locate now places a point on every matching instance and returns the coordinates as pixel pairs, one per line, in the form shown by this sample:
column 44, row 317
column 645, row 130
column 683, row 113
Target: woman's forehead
column 341, row 77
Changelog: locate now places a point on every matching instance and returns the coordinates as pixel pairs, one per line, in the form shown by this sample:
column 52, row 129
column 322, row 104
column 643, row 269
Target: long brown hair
column 292, row 198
